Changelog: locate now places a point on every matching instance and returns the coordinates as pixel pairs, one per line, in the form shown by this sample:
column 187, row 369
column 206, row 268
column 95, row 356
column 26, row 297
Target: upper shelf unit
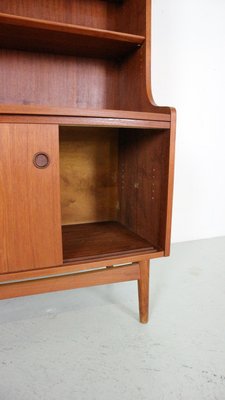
column 29, row 34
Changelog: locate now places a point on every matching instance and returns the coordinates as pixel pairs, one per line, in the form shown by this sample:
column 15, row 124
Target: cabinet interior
column 113, row 190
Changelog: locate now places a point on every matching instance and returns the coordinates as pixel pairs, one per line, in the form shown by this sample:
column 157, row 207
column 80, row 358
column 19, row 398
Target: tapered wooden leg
column 143, row 291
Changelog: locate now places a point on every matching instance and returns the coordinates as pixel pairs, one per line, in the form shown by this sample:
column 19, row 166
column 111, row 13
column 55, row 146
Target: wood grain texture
column 84, row 63
column 68, row 268
column 93, row 15
column 143, row 291
column 31, row 34
column 53, row 284
column 100, row 14
column 143, row 186
column 58, row 81
column 89, row 174
column 96, row 240
column 76, row 112
column 146, row 60
column 101, row 82
column 86, row 121
column 170, row 183
column 30, row 199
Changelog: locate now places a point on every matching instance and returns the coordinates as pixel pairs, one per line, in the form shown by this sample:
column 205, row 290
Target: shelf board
column 101, row 239
column 16, row 109
column 29, row 34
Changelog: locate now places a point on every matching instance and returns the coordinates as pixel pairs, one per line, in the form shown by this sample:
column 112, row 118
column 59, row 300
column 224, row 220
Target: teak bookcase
column 86, row 157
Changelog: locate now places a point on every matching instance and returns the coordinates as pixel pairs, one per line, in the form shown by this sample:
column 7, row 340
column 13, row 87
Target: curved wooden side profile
column 87, row 157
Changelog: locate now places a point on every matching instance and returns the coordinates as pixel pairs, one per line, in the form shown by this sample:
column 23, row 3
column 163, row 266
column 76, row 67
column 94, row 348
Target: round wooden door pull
column 41, row 160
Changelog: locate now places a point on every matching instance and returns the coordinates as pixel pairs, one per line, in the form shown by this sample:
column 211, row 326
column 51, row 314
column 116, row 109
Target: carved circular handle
column 41, row 160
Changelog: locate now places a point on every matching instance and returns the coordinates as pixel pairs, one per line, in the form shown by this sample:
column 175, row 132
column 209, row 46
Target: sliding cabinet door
column 30, row 221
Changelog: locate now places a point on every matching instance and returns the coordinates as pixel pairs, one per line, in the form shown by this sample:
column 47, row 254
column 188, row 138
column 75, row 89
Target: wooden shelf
column 96, row 240
column 29, row 34
column 75, row 112
column 97, row 117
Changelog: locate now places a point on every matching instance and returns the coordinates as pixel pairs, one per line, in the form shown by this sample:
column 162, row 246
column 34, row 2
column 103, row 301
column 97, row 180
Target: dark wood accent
column 41, row 160
column 96, row 240
column 144, row 158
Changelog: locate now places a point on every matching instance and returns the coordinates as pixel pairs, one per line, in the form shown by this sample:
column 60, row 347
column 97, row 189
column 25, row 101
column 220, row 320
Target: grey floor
column 87, row 344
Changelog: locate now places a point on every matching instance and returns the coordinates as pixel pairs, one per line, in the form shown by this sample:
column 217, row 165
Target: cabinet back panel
column 89, row 171
column 54, row 80
column 82, row 12
column 126, row 15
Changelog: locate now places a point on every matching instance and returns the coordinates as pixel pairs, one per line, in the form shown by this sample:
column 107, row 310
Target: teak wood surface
column 30, row 200
column 75, row 85
column 89, row 163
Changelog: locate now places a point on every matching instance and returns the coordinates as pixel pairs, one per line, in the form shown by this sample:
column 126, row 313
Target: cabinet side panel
column 171, row 163
column 30, row 197
column 144, row 162
column 3, row 208
column 153, row 154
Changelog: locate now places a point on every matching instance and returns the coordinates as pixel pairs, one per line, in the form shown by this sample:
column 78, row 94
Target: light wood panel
column 89, row 171
column 30, row 198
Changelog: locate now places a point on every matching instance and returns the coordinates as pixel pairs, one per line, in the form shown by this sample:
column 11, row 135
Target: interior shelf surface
column 84, row 241
column 31, row 34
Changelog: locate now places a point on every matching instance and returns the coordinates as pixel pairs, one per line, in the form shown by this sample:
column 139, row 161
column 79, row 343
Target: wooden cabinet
column 86, row 157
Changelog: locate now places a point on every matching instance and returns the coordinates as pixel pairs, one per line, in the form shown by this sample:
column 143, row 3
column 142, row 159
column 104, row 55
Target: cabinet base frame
column 104, row 275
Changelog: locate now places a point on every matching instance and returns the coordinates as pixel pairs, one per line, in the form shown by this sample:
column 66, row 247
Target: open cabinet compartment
column 78, row 48
column 113, row 191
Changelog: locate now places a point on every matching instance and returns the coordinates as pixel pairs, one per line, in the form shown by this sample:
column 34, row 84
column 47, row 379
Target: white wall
column 188, row 69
